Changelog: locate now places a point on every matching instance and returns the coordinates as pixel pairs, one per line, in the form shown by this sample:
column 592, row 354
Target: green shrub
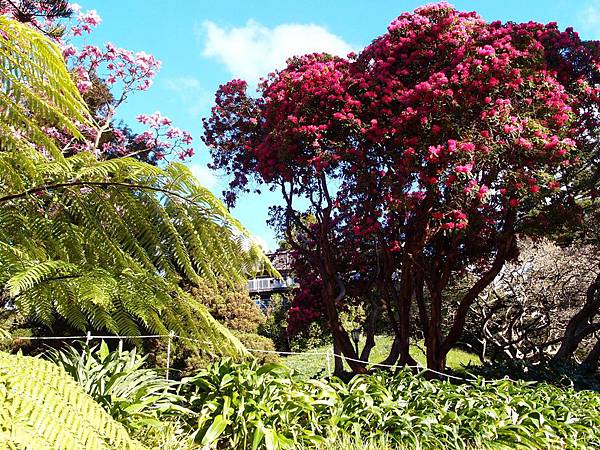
column 255, row 343
column 171, row 434
column 188, row 357
column 275, row 325
column 232, row 307
column 313, row 337
column 131, row 394
column 245, row 406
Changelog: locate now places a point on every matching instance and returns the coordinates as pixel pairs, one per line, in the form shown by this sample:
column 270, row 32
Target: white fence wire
column 328, row 354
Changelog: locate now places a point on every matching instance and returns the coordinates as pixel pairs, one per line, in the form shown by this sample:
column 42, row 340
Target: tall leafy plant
column 132, row 394
column 102, row 244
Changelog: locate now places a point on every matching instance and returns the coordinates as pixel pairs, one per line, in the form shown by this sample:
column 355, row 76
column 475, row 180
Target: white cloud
column 205, row 176
column 189, row 93
column 589, row 17
column 252, row 51
column 182, row 84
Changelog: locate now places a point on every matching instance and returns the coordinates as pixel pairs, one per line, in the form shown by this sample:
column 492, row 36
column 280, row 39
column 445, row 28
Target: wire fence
column 329, row 354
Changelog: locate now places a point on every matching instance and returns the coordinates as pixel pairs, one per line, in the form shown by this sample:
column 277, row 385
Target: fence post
column 171, row 334
column 328, row 363
column 120, row 346
column 88, row 338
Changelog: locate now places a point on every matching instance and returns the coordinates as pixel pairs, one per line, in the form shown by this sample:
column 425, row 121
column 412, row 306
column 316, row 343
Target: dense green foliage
column 41, row 407
column 275, row 324
column 116, row 244
column 101, row 244
column 261, row 347
column 249, row 406
column 246, row 406
column 119, row 382
column 157, row 226
column 563, row 375
column 230, row 305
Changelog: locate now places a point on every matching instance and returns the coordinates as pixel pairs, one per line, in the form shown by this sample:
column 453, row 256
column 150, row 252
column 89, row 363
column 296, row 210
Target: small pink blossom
column 466, row 168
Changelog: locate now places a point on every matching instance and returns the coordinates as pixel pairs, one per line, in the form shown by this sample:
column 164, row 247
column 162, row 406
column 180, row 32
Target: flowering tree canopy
column 106, row 76
column 440, row 142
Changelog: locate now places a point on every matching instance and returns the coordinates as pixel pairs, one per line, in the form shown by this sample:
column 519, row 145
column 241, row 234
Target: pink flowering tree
column 442, row 141
column 106, row 76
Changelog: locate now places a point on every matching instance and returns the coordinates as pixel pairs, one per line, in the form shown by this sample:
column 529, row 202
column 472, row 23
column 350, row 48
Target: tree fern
column 41, row 407
column 101, row 244
column 113, row 242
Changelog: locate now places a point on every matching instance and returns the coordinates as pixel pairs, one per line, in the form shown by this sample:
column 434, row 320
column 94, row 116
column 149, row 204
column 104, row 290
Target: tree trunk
column 394, row 353
column 338, row 362
column 333, row 292
column 436, row 356
column 580, row 326
column 590, row 363
column 403, row 299
column 569, row 344
column 370, row 329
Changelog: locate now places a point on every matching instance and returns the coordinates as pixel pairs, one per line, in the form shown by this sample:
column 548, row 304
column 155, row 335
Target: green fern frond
column 41, row 407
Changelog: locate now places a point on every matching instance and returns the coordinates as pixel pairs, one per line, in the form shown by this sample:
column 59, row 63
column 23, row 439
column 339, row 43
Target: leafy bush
column 118, row 381
column 275, row 325
column 256, row 342
column 565, row 375
column 171, row 434
column 188, row 356
column 232, row 307
column 245, row 406
column 315, row 335
column 41, row 407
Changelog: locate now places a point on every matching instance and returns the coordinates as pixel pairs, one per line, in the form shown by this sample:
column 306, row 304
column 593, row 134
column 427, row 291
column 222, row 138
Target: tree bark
column 338, row 362
column 580, row 324
column 590, row 363
column 340, row 337
column 370, row 329
column 403, row 299
column 436, row 357
column 392, row 357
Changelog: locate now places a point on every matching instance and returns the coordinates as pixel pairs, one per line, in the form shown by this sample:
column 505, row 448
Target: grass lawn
column 316, row 365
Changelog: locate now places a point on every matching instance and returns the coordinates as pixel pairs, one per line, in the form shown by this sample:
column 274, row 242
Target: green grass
column 312, row 365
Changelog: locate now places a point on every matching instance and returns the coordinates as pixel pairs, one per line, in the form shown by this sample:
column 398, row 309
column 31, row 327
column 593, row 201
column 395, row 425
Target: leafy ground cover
column 311, row 364
column 249, row 406
column 246, row 406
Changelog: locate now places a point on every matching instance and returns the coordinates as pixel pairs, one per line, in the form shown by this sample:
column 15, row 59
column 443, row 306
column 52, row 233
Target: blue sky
column 204, row 43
